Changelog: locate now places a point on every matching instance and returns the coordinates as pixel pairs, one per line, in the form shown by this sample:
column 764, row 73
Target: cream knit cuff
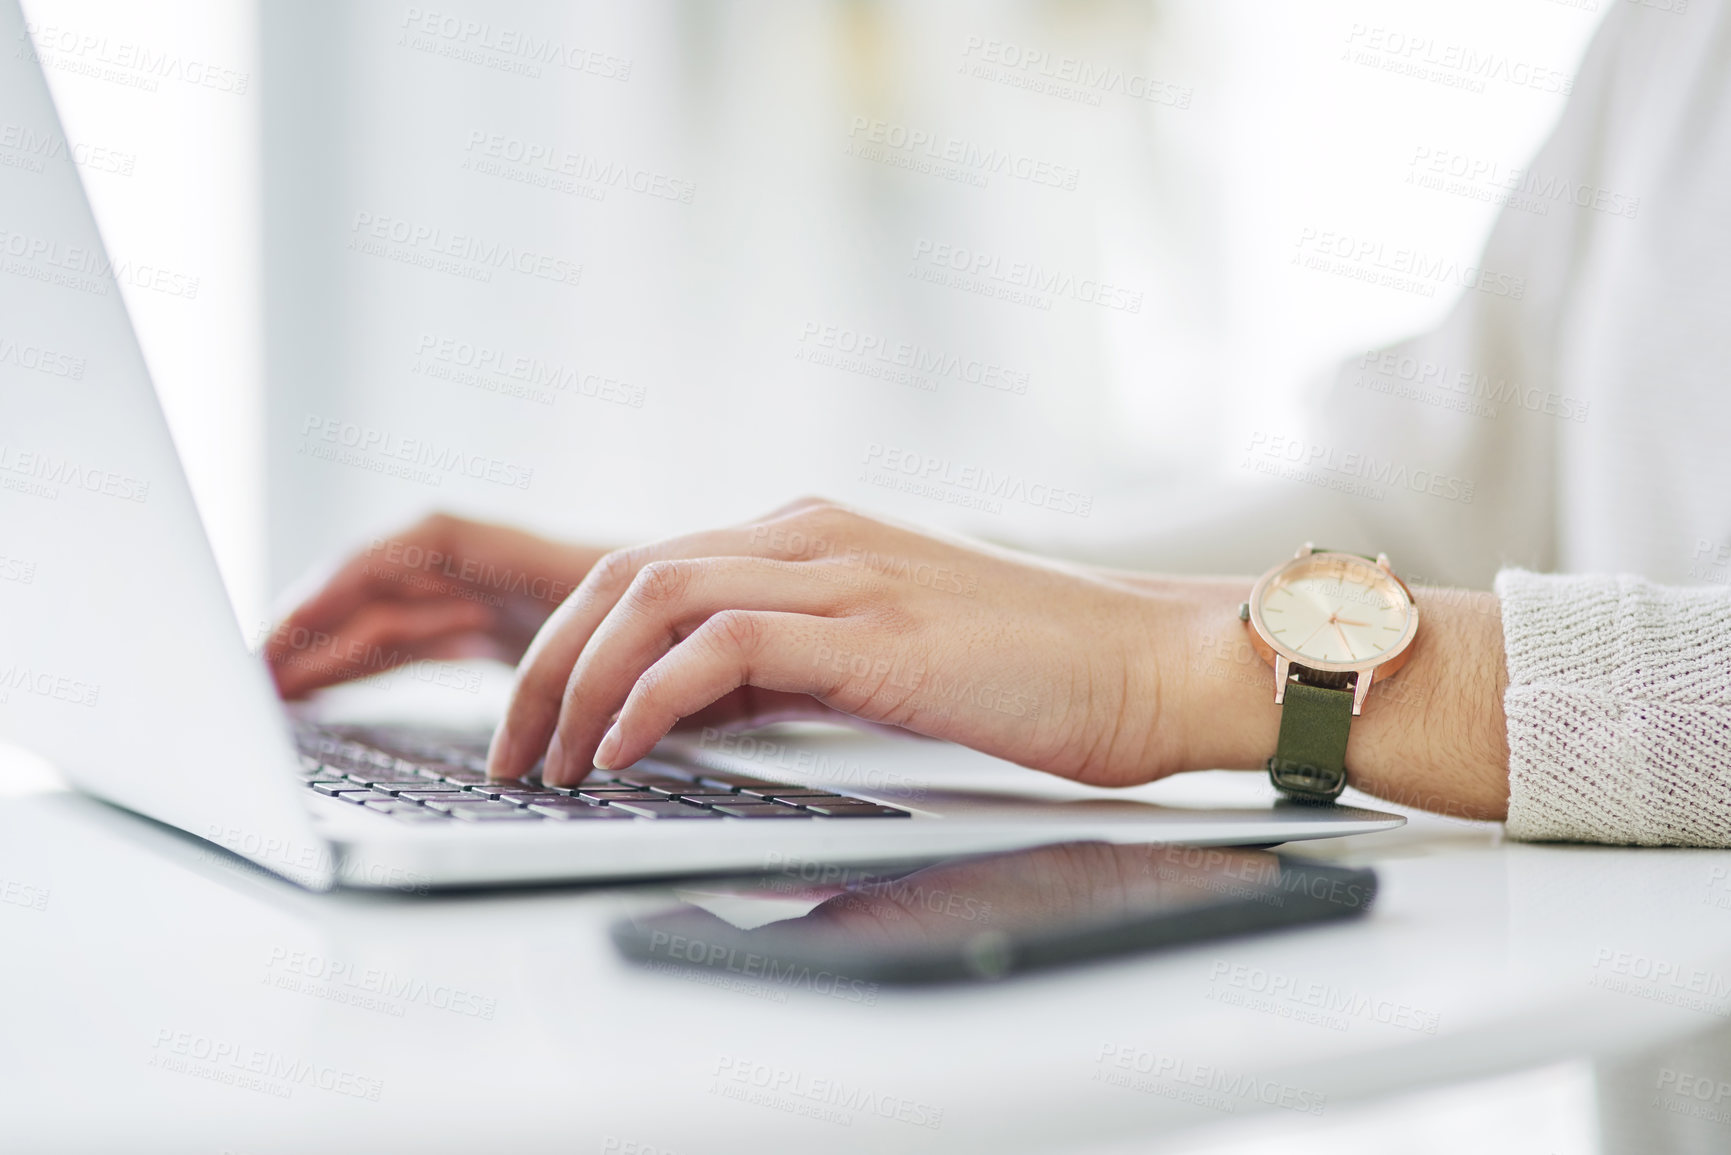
column 1619, row 710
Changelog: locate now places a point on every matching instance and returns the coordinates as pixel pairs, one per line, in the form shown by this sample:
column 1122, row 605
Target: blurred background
column 615, row 271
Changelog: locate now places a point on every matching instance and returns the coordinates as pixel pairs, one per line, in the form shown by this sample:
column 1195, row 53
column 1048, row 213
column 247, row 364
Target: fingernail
column 551, row 769
column 609, row 748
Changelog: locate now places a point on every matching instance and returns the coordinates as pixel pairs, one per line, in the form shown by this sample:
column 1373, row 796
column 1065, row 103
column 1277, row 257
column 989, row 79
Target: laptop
column 121, row 659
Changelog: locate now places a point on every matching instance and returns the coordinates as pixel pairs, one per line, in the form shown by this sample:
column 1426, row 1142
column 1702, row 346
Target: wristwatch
column 1328, row 623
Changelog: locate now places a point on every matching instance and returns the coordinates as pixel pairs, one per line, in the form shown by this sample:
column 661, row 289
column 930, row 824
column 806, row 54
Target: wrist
column 1205, row 698
column 1431, row 736
column 1224, row 709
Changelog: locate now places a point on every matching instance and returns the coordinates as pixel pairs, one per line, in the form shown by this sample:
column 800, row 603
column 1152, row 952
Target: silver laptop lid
column 120, row 657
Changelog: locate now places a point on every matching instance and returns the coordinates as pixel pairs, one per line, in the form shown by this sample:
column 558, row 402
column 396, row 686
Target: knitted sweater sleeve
column 1619, row 710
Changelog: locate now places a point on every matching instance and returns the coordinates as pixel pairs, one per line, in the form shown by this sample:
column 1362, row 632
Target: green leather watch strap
column 1309, row 761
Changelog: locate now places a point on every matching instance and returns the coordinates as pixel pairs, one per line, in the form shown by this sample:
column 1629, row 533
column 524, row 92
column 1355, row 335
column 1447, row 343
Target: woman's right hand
column 444, row 588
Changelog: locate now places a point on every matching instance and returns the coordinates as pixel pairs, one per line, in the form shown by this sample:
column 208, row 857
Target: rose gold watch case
column 1281, row 658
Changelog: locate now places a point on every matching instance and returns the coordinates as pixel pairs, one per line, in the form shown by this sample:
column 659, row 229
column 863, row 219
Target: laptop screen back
column 120, row 657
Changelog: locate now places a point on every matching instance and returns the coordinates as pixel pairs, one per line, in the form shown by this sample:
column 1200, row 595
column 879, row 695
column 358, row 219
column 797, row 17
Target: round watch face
column 1334, row 611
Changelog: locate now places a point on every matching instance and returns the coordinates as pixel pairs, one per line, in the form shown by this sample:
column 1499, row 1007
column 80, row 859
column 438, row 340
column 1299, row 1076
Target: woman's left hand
column 818, row 608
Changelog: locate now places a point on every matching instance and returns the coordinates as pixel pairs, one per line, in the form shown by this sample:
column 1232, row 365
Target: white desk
column 127, row 951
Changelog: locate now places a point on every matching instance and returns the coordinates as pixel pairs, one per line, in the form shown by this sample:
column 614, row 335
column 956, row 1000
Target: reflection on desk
column 985, row 917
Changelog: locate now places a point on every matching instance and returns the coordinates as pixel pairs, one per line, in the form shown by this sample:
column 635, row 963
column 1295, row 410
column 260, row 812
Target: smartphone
column 988, row 916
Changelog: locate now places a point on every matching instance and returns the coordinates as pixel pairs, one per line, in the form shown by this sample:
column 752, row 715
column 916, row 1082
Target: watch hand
column 1350, row 622
column 1344, row 640
column 1306, row 641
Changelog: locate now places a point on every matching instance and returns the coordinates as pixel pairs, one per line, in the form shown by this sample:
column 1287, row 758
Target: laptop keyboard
column 421, row 777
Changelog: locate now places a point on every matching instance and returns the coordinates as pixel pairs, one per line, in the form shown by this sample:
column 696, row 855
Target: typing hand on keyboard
column 1048, row 665
column 444, row 588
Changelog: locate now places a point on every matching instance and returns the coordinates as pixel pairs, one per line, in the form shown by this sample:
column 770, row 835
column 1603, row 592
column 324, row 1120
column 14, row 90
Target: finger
column 377, row 572
column 533, row 712
column 734, row 648
column 797, row 505
column 665, row 602
column 755, row 706
column 379, row 636
column 458, row 647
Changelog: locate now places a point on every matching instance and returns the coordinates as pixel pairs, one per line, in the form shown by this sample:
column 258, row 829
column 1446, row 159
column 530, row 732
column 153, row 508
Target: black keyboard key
column 663, row 809
column 854, row 809
column 761, row 810
column 335, row 788
column 572, row 810
column 665, row 785
column 418, row 788
column 488, row 814
column 714, row 799
column 419, row 814
column 728, row 781
column 440, row 796
column 618, row 796
column 495, row 789
column 451, row 803
column 392, row 806
column 392, row 782
column 528, row 799
column 772, row 793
